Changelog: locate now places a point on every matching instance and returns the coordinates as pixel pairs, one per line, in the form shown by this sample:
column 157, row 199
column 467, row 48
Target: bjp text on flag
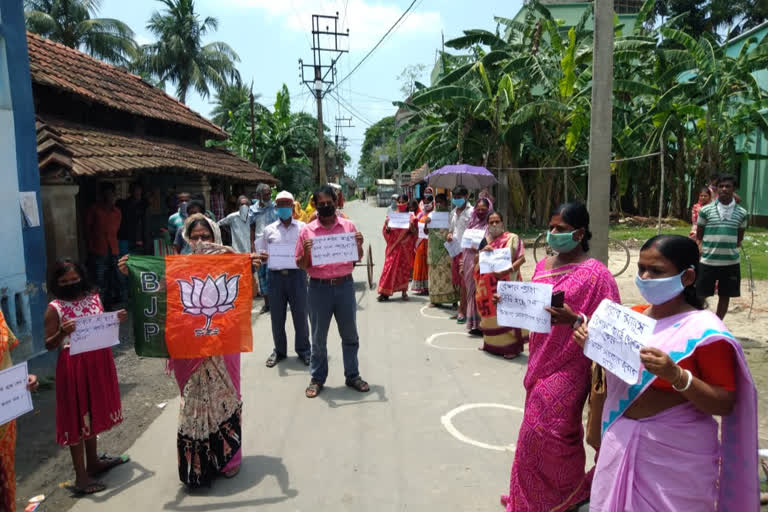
column 616, row 335
column 522, row 305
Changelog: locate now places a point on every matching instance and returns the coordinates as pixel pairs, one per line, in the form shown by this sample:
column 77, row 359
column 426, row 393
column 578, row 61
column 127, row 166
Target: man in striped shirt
column 719, row 231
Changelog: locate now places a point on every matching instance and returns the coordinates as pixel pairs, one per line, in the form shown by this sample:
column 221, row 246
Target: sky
column 271, row 35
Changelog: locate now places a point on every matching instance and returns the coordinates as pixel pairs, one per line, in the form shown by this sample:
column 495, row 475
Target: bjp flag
column 192, row 306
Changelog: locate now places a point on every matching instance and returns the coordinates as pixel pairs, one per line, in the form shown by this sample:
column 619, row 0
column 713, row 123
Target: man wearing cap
column 331, row 294
column 287, row 282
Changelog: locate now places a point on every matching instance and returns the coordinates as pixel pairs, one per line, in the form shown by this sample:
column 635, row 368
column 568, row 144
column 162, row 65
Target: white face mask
column 244, row 211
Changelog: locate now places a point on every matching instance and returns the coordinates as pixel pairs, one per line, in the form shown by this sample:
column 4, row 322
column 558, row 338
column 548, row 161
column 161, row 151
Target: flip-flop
column 91, row 488
column 313, row 389
column 461, row 320
column 117, row 461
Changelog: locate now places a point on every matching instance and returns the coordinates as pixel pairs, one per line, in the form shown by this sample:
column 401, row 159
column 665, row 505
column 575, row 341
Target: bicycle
column 618, row 253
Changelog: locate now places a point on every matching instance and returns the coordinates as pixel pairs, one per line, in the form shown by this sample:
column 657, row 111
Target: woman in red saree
column 398, row 262
column 8, row 431
column 420, row 267
column 498, row 340
column 548, row 472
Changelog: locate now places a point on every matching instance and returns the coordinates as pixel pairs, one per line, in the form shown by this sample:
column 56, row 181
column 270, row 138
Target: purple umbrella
column 470, row 176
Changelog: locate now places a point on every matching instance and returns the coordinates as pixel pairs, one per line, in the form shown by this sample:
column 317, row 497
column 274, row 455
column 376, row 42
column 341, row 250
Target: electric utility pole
column 323, row 41
column 341, row 123
column 599, row 182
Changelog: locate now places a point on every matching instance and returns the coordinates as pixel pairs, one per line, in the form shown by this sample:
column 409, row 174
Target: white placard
column 15, row 400
column 453, row 247
column 472, row 238
column 422, row 234
column 28, row 203
column 497, row 260
column 440, row 220
column 522, row 305
column 327, row 249
column 399, row 220
column 94, row 332
column 616, row 335
column 281, row 256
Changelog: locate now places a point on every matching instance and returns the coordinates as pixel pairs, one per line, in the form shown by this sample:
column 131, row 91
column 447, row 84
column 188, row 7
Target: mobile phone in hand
column 558, row 299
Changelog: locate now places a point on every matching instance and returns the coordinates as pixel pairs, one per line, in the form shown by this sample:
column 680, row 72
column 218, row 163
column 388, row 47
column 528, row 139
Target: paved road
column 387, row 450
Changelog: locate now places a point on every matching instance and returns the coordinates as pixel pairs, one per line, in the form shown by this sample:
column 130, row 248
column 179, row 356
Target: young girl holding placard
column 87, row 393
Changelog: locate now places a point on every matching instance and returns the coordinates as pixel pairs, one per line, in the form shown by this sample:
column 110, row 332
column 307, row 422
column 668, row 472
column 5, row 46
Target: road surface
column 436, row 432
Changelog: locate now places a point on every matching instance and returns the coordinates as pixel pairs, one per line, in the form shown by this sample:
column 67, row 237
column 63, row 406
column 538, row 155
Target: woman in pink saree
column 398, row 261
column 209, row 436
column 478, row 220
column 661, row 447
column 548, row 472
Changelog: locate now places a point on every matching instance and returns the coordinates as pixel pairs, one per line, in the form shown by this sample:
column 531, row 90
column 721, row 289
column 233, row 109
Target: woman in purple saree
column 661, row 447
column 548, row 472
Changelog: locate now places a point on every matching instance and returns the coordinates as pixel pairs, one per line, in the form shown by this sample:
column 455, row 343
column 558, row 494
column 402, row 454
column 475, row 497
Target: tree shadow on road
column 343, row 396
column 254, row 469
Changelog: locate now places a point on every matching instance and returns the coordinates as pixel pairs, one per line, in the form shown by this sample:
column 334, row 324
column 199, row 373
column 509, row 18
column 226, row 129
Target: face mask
column 496, row 230
column 284, row 212
column 244, row 211
column 659, row 291
column 562, row 242
column 71, row 291
column 402, row 207
column 429, row 206
column 183, row 208
column 458, row 203
column 327, row 210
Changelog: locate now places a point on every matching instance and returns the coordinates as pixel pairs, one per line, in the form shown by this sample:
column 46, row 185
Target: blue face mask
column 284, row 213
column 659, row 291
column 458, row 203
column 562, row 242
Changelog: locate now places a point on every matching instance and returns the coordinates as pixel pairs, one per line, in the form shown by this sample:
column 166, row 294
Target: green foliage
column 179, row 55
column 69, row 22
column 230, row 98
column 283, row 143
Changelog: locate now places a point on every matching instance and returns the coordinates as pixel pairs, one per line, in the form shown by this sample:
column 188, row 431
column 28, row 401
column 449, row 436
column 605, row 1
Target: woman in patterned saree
column 420, row 283
column 478, row 220
column 398, row 262
column 501, row 341
column 548, row 472
column 8, row 431
column 209, row 437
column 441, row 287
column 659, row 432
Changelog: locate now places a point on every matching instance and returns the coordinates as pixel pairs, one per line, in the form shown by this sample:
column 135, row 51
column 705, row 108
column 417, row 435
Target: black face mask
column 327, row 210
column 71, row 291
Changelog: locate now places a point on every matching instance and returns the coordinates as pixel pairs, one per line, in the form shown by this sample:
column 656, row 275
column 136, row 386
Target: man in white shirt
column 287, row 283
column 460, row 216
column 240, row 227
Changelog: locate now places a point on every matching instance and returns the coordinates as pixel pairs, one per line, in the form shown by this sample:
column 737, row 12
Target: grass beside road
column 755, row 244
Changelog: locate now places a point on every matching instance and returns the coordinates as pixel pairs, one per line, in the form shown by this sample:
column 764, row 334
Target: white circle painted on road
column 431, row 340
column 425, row 315
column 447, row 421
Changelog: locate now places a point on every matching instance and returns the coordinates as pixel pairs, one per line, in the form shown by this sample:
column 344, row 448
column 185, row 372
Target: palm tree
column 69, row 22
column 179, row 55
column 230, row 98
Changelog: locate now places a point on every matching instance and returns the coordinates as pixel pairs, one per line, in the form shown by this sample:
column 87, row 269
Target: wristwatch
column 581, row 320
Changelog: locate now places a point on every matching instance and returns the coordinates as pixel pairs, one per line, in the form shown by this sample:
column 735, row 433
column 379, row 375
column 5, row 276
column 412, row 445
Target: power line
column 377, row 44
column 352, row 110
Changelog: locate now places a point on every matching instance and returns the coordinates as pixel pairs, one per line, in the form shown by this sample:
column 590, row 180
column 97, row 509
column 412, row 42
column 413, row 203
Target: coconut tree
column 72, row 23
column 229, row 99
column 179, row 56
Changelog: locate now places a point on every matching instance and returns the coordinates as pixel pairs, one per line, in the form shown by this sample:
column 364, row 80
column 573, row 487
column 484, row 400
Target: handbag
column 597, row 393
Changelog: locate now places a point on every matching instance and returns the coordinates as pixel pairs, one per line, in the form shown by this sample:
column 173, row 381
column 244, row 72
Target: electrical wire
column 407, row 10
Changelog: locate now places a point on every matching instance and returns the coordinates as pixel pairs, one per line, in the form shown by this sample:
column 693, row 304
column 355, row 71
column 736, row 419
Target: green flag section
column 148, row 304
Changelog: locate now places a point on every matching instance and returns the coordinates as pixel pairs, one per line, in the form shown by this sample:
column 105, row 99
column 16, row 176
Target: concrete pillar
column 60, row 207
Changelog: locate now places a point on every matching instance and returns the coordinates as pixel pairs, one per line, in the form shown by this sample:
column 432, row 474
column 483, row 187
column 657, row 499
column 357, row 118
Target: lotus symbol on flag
column 209, row 297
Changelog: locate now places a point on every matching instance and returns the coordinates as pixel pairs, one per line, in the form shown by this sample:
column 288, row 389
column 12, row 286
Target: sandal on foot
column 382, row 298
column 461, row 320
column 273, row 359
column 91, row 488
column 313, row 389
column 108, row 463
column 405, row 297
column 475, row 332
column 358, row 384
